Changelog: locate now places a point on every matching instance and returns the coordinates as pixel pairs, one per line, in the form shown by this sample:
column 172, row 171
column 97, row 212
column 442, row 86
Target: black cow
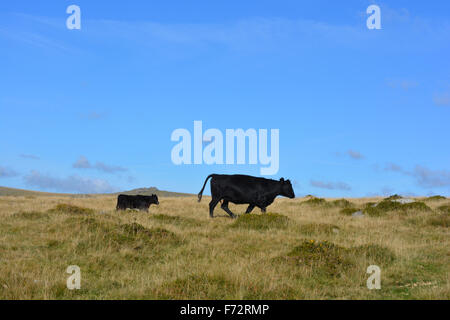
column 240, row 189
column 125, row 201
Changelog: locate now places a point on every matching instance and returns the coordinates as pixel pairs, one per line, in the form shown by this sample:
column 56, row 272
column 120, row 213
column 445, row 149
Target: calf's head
column 286, row 188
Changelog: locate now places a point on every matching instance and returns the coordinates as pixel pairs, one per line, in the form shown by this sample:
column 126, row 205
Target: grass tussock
column 261, row 221
column 415, row 207
column 444, row 209
column 386, row 206
column 197, row 287
column 315, row 202
column 168, row 219
column 393, row 197
column 435, row 198
column 341, row 203
column 374, row 254
column 70, row 209
column 321, row 256
column 319, row 228
column 30, row 215
column 439, row 220
column 329, row 260
column 156, row 235
column 348, row 211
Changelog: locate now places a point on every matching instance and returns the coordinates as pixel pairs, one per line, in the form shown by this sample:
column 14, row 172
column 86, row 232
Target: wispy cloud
column 6, row 172
column 431, row 178
column 352, row 154
column 442, row 99
column 72, row 183
column 403, row 84
column 83, row 163
column 35, row 39
column 330, row 185
column 93, row 115
column 245, row 34
column 424, row 176
column 29, row 156
column 355, row 155
column 393, row 167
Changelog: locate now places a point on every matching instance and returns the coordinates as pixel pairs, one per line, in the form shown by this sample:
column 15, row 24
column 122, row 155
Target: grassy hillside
column 304, row 249
column 153, row 190
column 4, row 191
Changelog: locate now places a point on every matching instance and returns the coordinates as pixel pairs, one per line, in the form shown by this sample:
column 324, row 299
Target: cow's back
column 240, row 188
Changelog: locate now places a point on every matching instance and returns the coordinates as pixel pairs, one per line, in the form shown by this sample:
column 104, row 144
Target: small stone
column 358, row 214
column 403, row 201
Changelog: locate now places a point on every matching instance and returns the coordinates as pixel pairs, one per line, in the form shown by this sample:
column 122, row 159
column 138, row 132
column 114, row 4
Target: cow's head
column 286, row 188
column 155, row 199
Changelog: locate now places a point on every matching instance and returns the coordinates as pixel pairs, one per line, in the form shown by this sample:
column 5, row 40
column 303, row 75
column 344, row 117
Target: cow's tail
column 201, row 191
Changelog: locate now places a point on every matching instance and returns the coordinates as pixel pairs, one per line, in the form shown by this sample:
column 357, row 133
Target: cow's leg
column 250, row 208
column 263, row 210
column 224, row 206
column 212, row 205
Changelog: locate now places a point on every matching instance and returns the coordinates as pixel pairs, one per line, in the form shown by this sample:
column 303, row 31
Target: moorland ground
column 306, row 248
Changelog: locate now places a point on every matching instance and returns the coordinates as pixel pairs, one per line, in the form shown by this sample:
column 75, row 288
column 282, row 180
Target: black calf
column 136, row 202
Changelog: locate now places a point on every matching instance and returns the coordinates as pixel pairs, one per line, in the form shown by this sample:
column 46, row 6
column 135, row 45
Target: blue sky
column 360, row 112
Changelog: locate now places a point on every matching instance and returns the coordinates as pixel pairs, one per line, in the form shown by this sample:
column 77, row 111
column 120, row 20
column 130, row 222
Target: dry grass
column 299, row 251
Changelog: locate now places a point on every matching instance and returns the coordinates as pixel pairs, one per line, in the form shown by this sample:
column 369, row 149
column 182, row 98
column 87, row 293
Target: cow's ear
column 282, row 179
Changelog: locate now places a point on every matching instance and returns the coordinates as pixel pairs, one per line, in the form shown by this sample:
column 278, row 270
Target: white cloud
column 403, row 84
column 6, row 172
column 431, row 178
column 330, row 185
column 355, row 154
column 29, row 156
column 425, row 177
column 442, row 99
column 93, row 115
column 83, row 163
column 72, row 183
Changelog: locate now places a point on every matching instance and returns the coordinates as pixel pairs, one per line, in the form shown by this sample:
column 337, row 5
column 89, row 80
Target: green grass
column 386, row 206
column 318, row 228
column 71, row 209
column 261, row 221
column 444, row 209
column 440, row 220
column 342, row 203
column 435, row 198
column 315, row 202
column 348, row 211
